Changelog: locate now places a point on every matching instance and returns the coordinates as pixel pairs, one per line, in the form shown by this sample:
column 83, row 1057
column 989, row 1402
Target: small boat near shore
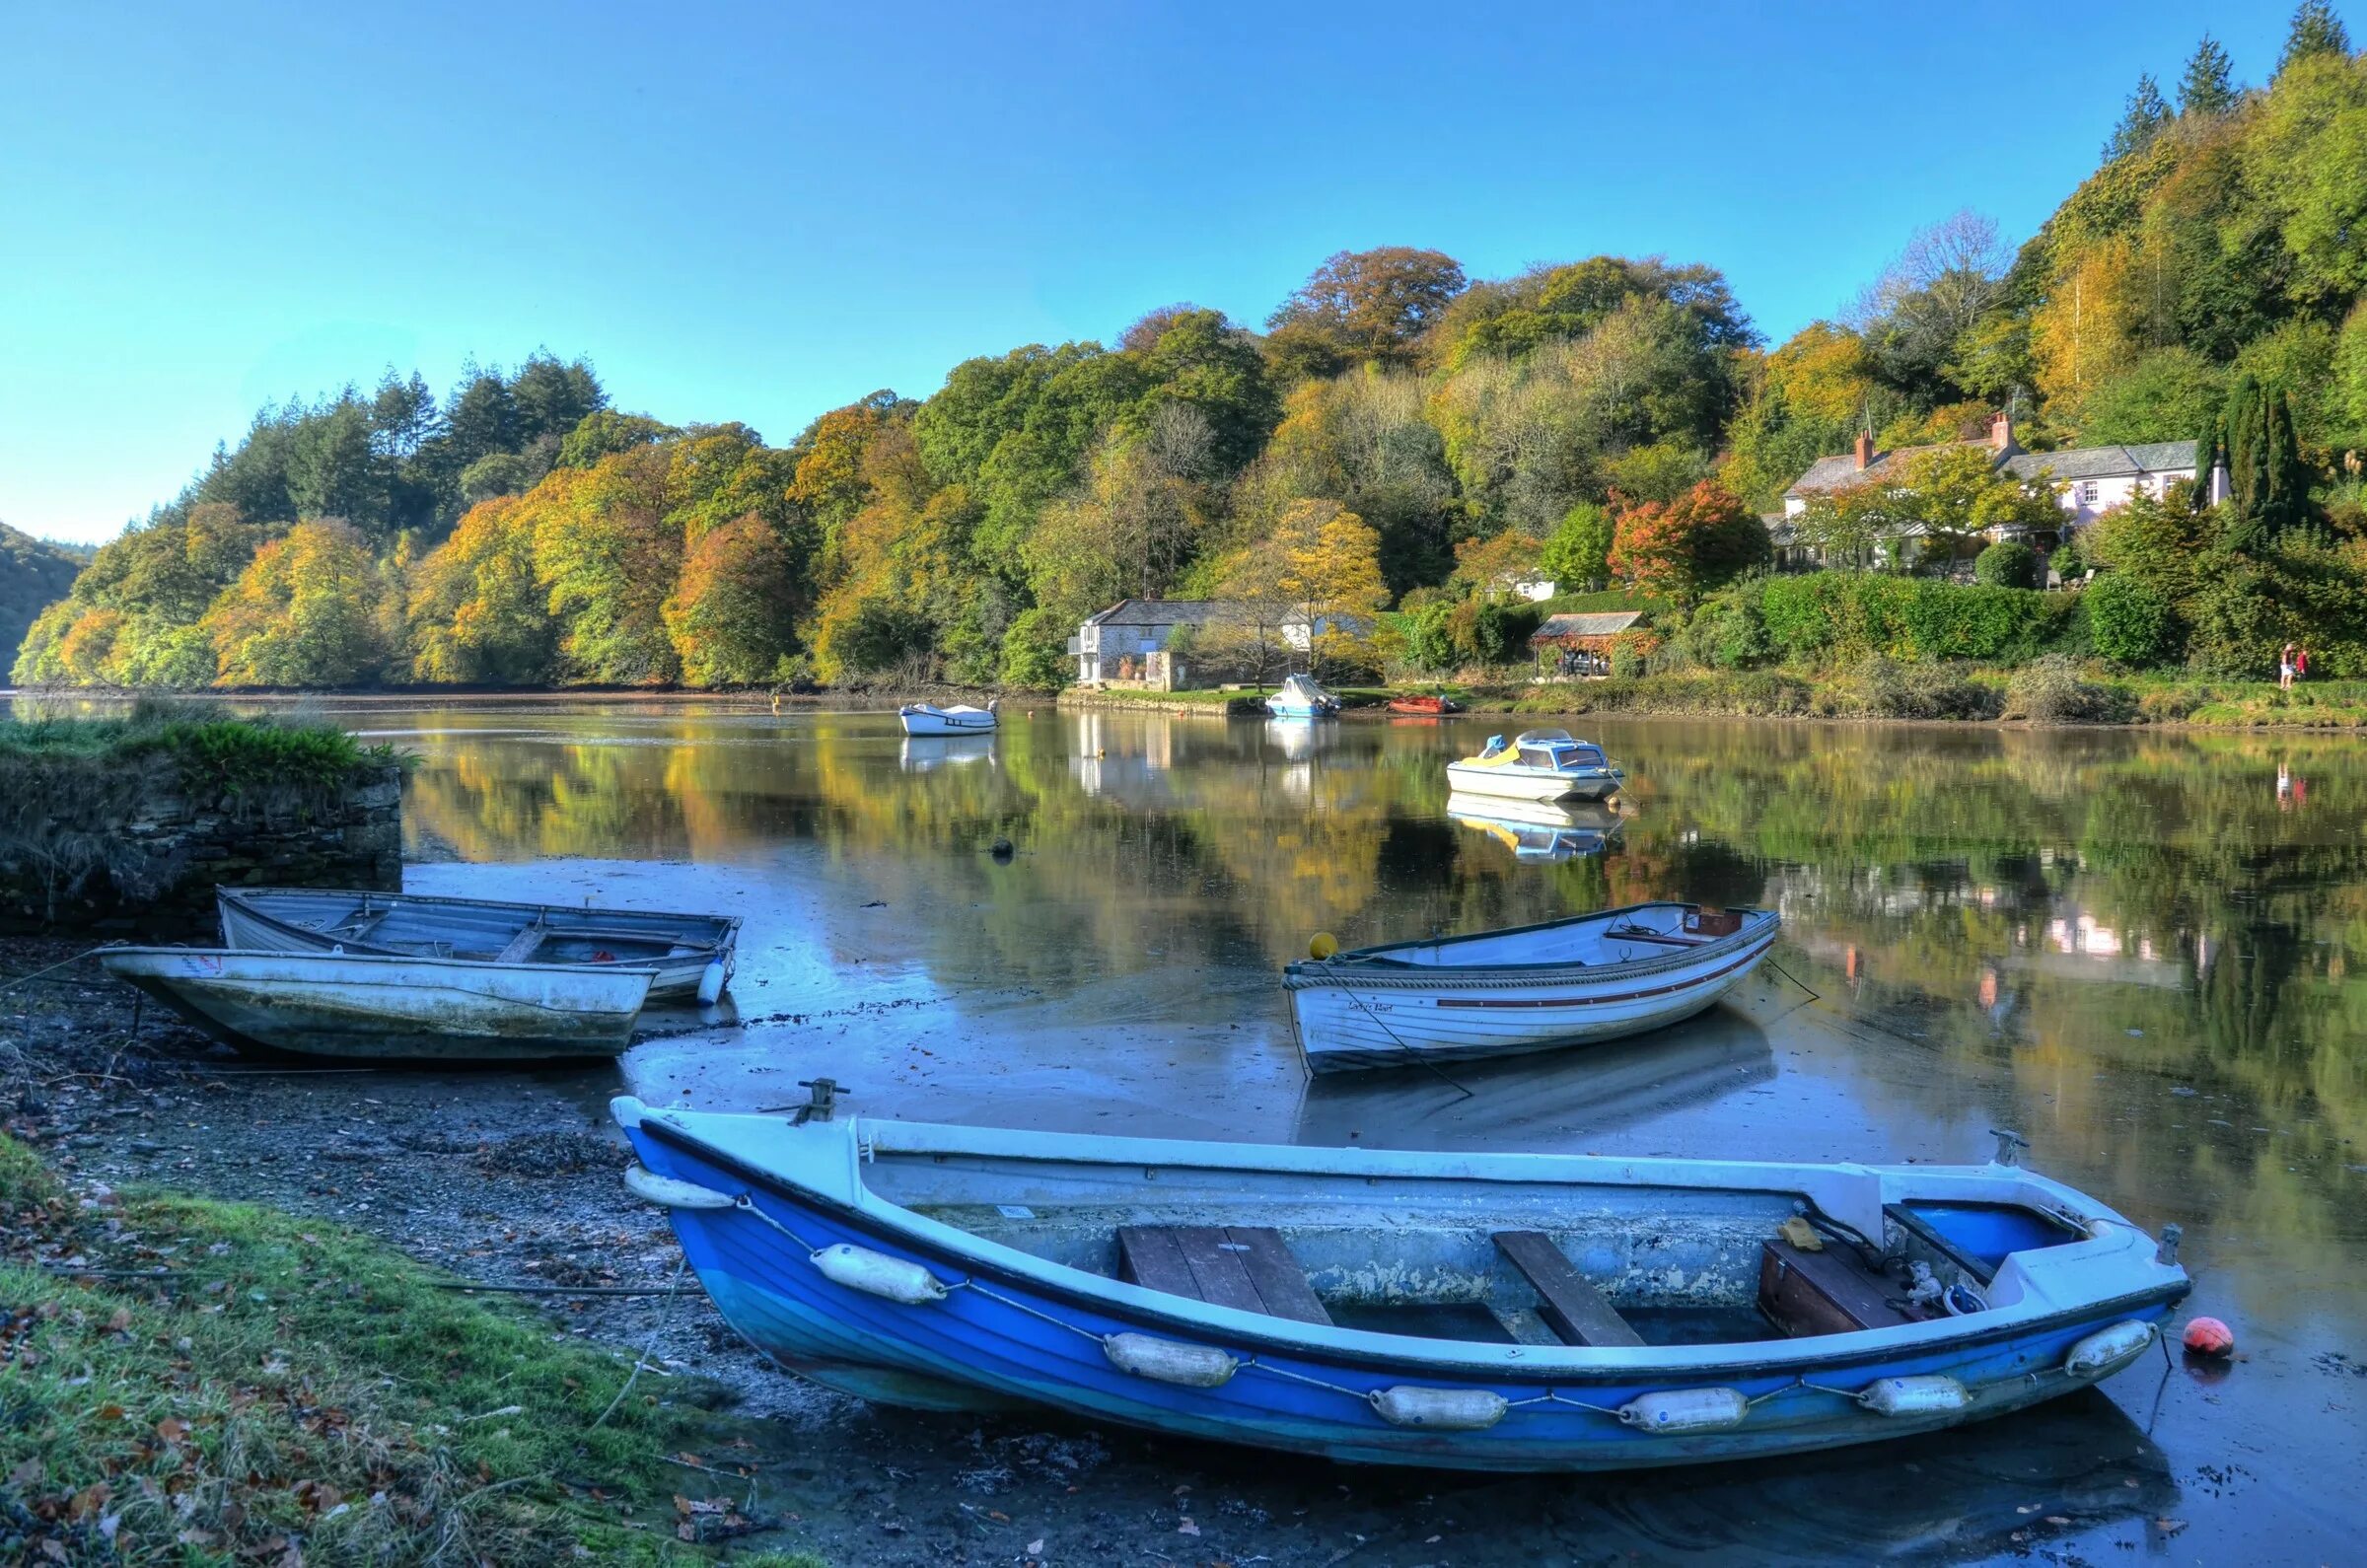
column 1464, row 1311
column 687, row 955
column 1539, row 765
column 1302, row 697
column 1425, row 706
column 926, row 718
column 1577, row 981
column 385, row 1006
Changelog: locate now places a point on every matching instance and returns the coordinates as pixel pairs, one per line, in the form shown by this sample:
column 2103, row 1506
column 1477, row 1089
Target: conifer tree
column 2209, row 85
column 2141, row 120
column 2316, row 29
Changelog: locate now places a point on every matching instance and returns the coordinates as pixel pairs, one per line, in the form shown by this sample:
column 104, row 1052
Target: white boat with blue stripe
column 1484, row 1311
column 1578, row 981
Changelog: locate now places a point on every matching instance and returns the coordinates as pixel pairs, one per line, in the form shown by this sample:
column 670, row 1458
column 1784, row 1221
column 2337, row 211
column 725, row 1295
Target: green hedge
column 1822, row 617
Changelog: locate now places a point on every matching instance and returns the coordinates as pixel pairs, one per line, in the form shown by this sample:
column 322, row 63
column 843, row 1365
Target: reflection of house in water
column 1125, row 757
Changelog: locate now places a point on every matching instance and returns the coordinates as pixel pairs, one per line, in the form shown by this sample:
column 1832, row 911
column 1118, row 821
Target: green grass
column 221, row 753
column 291, row 1383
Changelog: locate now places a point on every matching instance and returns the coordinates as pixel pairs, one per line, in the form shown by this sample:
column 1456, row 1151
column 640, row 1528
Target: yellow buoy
column 1323, row 946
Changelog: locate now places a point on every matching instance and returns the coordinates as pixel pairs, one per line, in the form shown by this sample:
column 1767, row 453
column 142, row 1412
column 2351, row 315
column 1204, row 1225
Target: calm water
column 2137, row 949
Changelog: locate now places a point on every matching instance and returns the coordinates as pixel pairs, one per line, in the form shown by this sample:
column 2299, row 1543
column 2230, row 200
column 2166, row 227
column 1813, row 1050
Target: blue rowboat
column 1467, row 1310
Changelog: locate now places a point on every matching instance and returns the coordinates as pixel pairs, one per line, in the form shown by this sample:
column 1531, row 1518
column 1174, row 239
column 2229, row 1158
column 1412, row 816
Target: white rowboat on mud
column 1498, row 993
column 390, row 1006
column 686, row 954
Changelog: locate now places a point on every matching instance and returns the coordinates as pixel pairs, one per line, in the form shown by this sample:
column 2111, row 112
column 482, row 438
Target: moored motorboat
column 1482, row 1312
column 1539, row 765
column 1302, row 697
column 926, row 718
column 1498, row 993
column 392, row 1007
column 687, row 955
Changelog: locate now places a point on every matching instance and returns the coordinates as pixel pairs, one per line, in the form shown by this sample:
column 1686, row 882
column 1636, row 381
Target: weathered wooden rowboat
column 1498, row 993
column 1480, row 1311
column 392, row 1006
column 686, row 954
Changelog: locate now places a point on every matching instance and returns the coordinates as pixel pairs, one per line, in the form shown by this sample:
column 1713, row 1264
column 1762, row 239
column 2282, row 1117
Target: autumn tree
column 729, row 613
column 477, row 614
column 1682, row 548
column 608, row 557
column 1373, row 305
column 305, row 613
column 1332, row 571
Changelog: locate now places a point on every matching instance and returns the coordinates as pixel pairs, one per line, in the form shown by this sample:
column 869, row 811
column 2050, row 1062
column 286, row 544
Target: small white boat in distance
column 1498, row 993
column 1302, row 697
column 1539, row 765
column 926, row 718
column 687, row 955
column 380, row 1006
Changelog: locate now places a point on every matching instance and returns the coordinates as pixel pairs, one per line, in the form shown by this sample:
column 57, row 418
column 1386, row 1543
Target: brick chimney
column 1865, row 451
column 2001, row 433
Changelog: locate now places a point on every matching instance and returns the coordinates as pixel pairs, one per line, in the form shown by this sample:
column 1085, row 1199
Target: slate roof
column 2106, row 462
column 1840, row 471
column 1160, row 612
column 1601, row 623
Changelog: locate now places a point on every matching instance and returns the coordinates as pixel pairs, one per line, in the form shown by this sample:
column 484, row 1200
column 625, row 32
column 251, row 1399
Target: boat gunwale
column 727, row 940
column 1306, row 972
column 639, row 972
column 1369, row 1351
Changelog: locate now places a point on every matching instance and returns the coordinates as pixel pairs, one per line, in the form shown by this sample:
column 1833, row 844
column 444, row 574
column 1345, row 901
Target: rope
column 1436, row 1071
column 665, row 1310
column 27, row 979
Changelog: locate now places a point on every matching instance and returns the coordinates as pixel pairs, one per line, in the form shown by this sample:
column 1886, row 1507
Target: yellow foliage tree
column 1331, row 574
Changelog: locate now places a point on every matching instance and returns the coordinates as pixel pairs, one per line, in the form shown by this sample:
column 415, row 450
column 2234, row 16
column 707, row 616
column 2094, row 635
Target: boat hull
column 678, row 950
column 1525, row 784
column 1005, row 1332
column 1350, row 1016
column 939, row 721
column 370, row 1006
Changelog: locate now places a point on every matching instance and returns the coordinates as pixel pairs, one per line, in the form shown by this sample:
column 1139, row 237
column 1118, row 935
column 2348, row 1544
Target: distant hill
column 33, row 573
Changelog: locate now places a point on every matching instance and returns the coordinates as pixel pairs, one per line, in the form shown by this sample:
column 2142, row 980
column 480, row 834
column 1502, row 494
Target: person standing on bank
column 2284, row 669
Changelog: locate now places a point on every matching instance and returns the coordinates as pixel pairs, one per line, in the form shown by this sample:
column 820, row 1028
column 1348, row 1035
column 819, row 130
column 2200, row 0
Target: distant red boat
column 1424, row 705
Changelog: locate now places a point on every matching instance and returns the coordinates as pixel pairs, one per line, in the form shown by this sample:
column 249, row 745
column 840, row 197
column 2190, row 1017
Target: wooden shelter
column 1580, row 644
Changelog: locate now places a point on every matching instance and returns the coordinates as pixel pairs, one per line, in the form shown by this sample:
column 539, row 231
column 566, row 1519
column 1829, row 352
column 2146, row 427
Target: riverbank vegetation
column 1399, row 435
column 198, row 1383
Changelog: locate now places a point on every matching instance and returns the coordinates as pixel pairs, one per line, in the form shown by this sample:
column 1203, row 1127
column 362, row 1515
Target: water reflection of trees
column 2027, row 899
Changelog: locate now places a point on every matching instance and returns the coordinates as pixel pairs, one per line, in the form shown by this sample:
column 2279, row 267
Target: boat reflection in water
column 1539, row 829
column 925, row 751
column 1539, row 1102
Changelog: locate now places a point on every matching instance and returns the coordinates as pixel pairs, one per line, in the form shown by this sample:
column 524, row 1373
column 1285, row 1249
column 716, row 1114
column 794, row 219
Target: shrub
column 1885, row 688
column 1729, row 632
column 2129, row 622
column 2008, row 563
column 2066, row 561
column 2051, row 691
column 1035, row 653
column 1490, row 632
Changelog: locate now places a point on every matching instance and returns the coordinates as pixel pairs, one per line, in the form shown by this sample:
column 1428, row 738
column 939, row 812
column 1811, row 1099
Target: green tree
column 477, row 614
column 2267, row 482
column 2208, row 85
column 1373, row 305
column 331, row 470
column 2316, row 29
column 606, row 431
column 306, row 613
column 2129, row 623
column 1577, row 556
column 2008, row 563
column 2164, row 396
column 2141, row 121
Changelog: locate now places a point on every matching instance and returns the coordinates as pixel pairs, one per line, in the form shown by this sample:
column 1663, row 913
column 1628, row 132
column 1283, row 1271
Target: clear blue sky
column 741, row 213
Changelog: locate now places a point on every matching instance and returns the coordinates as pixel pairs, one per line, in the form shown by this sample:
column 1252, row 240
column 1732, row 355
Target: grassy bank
column 2052, row 690
column 287, row 1391
column 210, row 751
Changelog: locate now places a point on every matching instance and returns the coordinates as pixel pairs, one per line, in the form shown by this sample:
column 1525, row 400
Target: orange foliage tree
column 1679, row 549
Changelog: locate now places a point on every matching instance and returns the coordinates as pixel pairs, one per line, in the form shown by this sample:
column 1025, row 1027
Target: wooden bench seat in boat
column 1567, row 1300
column 522, row 946
column 1244, row 1266
column 1831, row 1292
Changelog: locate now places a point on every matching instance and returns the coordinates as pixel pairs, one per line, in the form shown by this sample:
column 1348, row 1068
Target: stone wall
column 141, row 856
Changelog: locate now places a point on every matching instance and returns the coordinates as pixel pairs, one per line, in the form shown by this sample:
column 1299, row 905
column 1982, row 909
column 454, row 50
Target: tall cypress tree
column 2247, row 437
column 2316, row 29
column 2209, row 85
column 2286, row 480
column 2206, row 458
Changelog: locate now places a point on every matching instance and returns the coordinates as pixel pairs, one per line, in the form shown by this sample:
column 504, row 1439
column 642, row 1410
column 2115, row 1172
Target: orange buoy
column 2208, row 1337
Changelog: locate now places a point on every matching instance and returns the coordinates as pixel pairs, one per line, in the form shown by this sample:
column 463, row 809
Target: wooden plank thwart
column 1232, row 1265
column 1567, row 1300
column 1829, row 1292
column 523, row 945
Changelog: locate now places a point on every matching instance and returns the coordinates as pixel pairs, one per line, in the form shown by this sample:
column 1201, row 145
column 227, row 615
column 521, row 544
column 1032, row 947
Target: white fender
column 1167, row 1361
column 2107, row 1348
column 1686, row 1410
column 1442, row 1410
column 669, row 1193
column 1925, row 1395
column 878, row 1274
column 711, row 980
